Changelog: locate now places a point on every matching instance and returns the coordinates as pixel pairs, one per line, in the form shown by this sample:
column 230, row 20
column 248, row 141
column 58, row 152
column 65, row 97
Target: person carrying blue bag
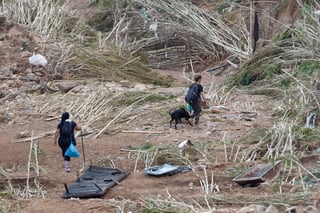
column 64, row 136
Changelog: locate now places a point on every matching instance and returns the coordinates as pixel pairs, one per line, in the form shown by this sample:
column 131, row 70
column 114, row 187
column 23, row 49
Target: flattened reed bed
column 99, row 110
column 107, row 65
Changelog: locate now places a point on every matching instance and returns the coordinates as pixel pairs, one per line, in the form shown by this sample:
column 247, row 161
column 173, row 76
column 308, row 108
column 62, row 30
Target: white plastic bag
column 38, row 60
column 153, row 26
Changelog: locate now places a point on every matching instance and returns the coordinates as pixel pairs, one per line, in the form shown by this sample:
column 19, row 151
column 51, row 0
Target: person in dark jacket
column 65, row 138
column 197, row 105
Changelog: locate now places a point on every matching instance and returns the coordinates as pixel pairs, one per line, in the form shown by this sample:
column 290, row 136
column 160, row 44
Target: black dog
column 178, row 114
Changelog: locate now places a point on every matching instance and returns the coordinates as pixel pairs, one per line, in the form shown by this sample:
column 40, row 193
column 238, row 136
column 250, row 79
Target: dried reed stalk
column 278, row 143
column 120, row 114
column 29, row 164
column 45, row 17
column 184, row 34
column 225, row 147
column 136, row 162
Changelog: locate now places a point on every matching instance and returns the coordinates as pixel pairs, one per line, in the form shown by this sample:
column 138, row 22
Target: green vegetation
column 284, row 83
column 279, row 6
column 309, row 135
column 307, row 69
column 272, row 69
column 158, row 206
column 104, row 3
column 235, row 171
column 288, row 33
column 129, row 98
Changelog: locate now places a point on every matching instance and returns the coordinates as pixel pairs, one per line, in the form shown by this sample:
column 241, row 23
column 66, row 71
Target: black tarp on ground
column 94, row 182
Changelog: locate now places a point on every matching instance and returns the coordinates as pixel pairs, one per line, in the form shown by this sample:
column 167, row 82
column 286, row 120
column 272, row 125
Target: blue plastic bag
column 72, row 151
column 189, row 108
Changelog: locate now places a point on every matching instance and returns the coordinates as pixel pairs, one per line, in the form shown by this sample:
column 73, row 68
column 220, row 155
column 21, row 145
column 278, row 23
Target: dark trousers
column 64, row 143
column 196, row 107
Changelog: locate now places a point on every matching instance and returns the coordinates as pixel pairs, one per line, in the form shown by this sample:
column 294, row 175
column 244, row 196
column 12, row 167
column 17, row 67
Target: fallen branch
column 144, row 132
column 306, row 170
column 120, row 114
column 36, row 137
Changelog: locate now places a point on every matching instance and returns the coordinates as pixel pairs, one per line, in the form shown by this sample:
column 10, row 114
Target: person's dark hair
column 197, row 78
column 64, row 117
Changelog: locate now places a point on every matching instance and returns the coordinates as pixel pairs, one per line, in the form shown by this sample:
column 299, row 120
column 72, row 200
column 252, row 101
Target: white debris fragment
column 182, row 145
column 38, row 60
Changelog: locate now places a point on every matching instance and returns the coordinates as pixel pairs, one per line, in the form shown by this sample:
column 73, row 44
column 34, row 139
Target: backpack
column 66, row 128
column 192, row 94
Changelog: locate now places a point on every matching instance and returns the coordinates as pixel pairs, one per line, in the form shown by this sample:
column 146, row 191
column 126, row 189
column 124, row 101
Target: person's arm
column 204, row 100
column 56, row 136
column 78, row 127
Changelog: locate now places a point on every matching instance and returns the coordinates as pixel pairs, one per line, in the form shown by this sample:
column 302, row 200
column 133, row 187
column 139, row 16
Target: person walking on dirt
column 64, row 136
column 197, row 98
